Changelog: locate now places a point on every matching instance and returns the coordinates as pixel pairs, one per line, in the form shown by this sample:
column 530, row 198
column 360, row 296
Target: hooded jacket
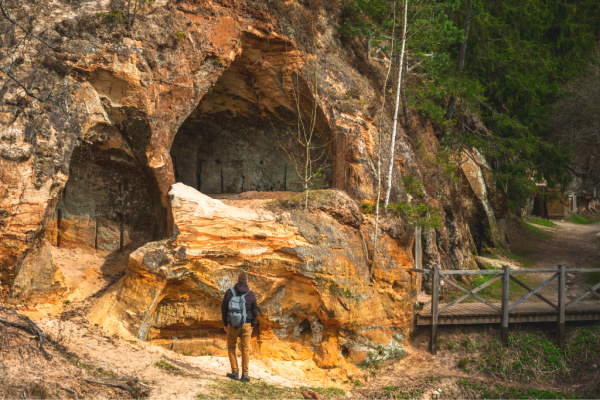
column 251, row 307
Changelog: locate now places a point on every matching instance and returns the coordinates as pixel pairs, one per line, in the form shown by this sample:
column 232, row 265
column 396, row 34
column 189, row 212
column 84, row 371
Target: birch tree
column 379, row 146
column 395, row 124
column 311, row 161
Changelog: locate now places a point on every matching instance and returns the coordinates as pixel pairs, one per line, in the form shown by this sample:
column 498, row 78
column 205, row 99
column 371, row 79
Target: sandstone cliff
column 315, row 292
column 204, row 93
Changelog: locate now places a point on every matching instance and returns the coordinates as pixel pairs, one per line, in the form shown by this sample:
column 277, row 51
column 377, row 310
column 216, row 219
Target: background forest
column 527, row 70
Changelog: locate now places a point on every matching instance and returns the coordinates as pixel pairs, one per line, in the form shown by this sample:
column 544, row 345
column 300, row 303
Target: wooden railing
column 506, row 275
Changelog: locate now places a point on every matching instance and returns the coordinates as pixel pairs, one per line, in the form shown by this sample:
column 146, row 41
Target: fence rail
column 504, row 309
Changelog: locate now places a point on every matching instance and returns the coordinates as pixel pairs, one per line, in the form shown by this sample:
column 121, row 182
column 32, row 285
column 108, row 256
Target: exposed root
column 23, row 323
column 131, row 385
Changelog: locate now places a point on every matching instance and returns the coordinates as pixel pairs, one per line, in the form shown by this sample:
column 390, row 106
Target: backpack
column 237, row 309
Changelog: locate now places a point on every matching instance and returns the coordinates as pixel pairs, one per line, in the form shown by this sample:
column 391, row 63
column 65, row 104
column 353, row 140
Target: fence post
column 561, row 306
column 418, row 255
column 435, row 284
column 505, row 304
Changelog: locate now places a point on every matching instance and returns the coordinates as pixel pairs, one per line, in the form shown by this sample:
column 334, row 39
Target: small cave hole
column 397, row 287
column 345, row 352
column 305, row 331
column 58, row 226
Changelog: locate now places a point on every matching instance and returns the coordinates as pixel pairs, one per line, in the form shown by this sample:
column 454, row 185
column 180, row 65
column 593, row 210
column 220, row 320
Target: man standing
column 239, row 313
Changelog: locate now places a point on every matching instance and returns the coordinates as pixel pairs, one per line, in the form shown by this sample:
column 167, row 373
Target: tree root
column 310, row 394
column 27, row 325
column 24, row 323
column 131, row 385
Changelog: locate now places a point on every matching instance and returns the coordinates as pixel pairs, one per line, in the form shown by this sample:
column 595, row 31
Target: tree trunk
column 461, row 55
column 407, row 117
column 379, row 149
column 393, row 144
column 306, row 177
column 129, row 13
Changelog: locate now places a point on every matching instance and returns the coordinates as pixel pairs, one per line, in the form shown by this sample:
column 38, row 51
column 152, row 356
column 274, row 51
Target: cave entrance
column 243, row 135
column 107, row 204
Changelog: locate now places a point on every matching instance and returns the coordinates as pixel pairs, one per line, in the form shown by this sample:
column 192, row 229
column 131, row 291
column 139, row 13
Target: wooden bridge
column 504, row 313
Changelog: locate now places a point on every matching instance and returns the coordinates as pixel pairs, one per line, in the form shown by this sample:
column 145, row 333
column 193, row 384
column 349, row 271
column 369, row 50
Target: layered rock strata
column 92, row 169
column 317, row 297
column 120, row 98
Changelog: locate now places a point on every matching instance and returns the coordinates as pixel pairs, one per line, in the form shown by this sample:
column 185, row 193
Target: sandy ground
column 88, row 275
column 138, row 359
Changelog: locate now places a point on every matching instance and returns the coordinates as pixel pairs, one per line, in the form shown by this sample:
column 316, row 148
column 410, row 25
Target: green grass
column 533, row 355
column 463, row 362
column 90, row 368
column 493, row 292
column 580, row 219
column 329, row 393
column 230, row 389
column 531, row 360
column 543, row 222
column 394, row 392
column 170, row 368
column 591, row 278
column 480, row 390
column 535, row 231
column 522, row 370
column 468, row 388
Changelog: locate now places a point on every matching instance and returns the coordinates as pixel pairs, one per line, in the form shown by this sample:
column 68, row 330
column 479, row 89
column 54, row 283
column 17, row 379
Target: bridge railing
column 507, row 275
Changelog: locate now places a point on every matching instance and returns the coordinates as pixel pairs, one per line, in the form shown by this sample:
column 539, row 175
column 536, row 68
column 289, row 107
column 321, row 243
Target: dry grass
column 472, row 364
column 532, row 354
column 28, row 372
column 255, row 389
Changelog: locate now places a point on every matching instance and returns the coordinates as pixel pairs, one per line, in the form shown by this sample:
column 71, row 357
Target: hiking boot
column 234, row 375
column 245, row 378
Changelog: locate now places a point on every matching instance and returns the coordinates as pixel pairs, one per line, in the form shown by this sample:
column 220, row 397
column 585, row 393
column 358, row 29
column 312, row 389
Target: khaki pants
column 232, row 336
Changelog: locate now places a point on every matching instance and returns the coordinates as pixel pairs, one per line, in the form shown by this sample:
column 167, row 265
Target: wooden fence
column 504, row 309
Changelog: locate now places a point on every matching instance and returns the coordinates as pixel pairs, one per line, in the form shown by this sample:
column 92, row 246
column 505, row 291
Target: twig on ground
column 128, row 384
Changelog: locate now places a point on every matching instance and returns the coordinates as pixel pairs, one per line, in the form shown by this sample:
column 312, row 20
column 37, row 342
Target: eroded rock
column 308, row 270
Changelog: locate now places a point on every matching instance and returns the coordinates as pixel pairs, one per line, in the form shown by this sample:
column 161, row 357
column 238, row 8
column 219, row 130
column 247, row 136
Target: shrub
column 180, row 36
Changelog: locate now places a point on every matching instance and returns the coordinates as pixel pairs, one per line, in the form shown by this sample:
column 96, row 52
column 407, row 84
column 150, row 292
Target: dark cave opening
column 305, row 331
column 234, row 155
column 107, row 203
column 243, row 135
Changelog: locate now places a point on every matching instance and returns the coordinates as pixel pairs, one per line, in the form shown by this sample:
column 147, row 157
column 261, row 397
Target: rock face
column 309, row 271
column 211, row 94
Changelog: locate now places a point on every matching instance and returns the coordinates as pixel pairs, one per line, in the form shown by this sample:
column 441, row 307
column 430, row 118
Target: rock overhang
column 310, row 296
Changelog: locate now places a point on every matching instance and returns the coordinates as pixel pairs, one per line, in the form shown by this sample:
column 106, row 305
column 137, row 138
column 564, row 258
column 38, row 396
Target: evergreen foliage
column 519, row 55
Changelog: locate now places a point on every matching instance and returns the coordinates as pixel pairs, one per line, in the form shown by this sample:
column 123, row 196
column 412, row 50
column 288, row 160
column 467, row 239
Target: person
column 244, row 332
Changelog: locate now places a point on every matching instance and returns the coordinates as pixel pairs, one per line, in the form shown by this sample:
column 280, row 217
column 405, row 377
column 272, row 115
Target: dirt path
column 65, row 320
column 574, row 245
column 421, row 375
column 138, row 359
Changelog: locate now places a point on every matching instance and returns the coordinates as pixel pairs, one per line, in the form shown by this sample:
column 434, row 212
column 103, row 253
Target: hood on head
column 241, row 288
